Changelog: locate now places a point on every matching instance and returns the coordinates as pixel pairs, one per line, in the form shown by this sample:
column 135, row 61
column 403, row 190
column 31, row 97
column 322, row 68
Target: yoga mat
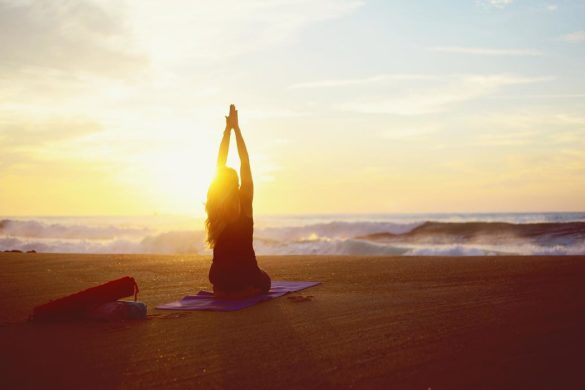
column 205, row 300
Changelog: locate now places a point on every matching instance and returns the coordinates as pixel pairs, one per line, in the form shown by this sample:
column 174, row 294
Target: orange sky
column 116, row 108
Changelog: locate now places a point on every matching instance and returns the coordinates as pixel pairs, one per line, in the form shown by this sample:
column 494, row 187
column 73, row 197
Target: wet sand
column 375, row 322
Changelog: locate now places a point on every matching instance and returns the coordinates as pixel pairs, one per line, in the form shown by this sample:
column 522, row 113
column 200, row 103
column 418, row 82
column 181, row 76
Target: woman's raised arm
column 245, row 171
column 224, row 146
column 247, row 187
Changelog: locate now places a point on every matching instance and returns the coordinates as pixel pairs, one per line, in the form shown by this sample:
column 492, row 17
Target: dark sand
column 403, row 323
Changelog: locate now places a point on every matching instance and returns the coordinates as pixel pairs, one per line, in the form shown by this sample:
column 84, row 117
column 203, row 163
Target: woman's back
column 235, row 243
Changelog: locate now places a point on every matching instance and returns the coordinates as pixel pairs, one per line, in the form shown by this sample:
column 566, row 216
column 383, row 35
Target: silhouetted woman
column 234, row 272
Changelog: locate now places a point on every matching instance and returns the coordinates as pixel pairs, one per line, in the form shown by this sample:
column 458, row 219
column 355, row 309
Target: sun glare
column 177, row 178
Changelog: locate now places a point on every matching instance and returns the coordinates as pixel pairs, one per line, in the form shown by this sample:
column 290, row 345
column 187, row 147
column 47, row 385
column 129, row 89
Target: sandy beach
column 375, row 322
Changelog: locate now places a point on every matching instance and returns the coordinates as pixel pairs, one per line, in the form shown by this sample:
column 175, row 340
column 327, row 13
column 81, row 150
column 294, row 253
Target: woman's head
column 223, row 203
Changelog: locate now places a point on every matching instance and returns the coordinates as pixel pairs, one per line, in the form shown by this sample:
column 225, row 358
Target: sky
column 117, row 107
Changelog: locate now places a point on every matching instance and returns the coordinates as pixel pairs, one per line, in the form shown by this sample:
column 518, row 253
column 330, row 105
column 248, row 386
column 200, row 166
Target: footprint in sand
column 300, row 298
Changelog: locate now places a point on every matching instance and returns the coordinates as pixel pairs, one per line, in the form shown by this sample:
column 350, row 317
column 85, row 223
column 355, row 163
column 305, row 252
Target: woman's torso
column 235, row 244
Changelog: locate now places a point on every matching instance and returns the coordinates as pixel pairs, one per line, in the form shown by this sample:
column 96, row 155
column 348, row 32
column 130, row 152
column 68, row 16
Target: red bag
column 75, row 305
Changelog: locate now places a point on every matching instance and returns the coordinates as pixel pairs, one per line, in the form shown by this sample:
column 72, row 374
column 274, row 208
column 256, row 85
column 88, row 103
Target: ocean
column 449, row 234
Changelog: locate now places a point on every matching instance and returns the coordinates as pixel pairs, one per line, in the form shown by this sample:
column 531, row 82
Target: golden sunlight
column 177, row 178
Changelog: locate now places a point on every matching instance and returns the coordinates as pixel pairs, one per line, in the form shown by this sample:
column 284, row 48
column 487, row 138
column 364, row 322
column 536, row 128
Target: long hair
column 223, row 203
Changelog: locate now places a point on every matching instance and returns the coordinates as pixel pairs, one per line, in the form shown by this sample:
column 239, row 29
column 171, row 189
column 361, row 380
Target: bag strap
column 136, row 290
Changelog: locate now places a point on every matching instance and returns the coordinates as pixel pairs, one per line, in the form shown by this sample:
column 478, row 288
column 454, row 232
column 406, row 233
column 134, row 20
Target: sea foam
column 368, row 235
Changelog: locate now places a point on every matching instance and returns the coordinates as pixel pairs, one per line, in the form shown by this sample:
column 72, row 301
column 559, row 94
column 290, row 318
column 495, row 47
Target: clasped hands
column 231, row 121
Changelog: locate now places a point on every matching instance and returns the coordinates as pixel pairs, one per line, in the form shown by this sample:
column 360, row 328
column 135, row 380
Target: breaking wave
column 389, row 235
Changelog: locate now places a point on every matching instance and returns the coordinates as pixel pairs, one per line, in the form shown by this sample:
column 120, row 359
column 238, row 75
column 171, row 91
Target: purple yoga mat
column 205, row 300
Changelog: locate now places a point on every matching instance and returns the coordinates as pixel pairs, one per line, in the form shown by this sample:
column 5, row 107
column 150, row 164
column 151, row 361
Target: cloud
column 432, row 94
column 30, row 142
column 121, row 62
column 571, row 119
column 552, row 7
column 495, row 3
column 26, row 132
column 273, row 112
column 78, row 38
column 527, row 128
column 486, row 51
column 543, row 96
column 63, row 49
column 360, row 81
column 60, row 55
column 410, row 132
column 574, row 37
column 438, row 96
column 210, row 32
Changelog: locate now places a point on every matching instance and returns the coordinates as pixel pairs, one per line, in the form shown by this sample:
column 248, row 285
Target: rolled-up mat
column 75, row 305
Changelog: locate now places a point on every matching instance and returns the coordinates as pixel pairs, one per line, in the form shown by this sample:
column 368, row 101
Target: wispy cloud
column 78, row 39
column 545, row 129
column 27, row 141
column 527, row 128
column 26, row 132
column 361, row 81
column 544, row 96
column 439, row 96
column 574, row 37
column 224, row 29
column 484, row 51
column 495, row 3
column 405, row 132
column 436, row 93
column 552, row 7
